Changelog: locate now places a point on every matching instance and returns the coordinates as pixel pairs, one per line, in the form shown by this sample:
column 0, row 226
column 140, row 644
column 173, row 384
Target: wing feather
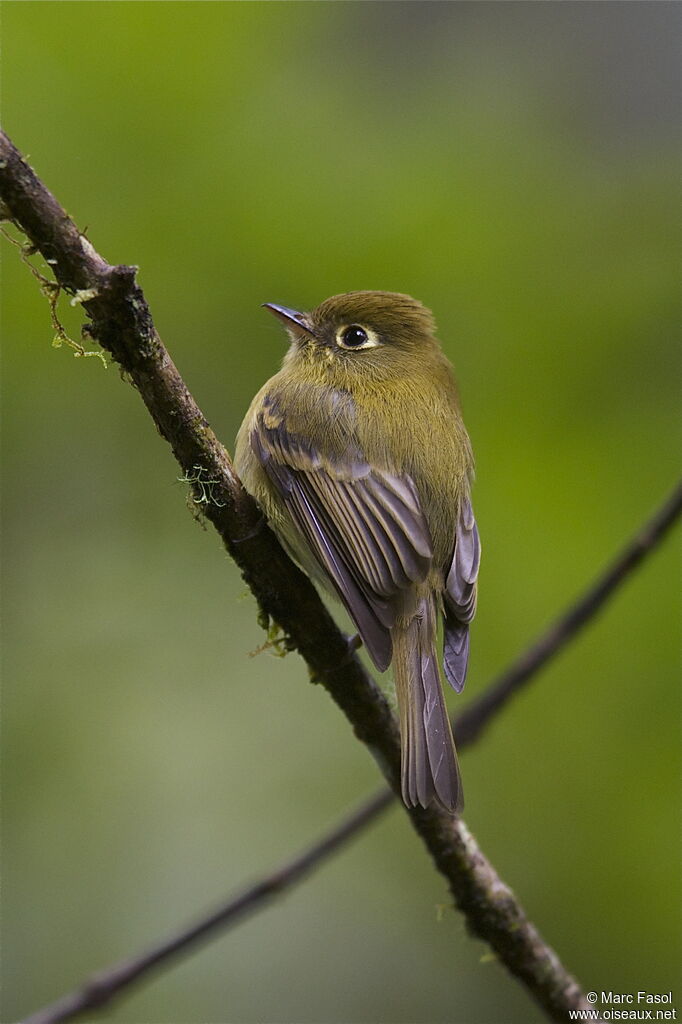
column 460, row 597
column 364, row 526
column 348, row 510
column 372, row 619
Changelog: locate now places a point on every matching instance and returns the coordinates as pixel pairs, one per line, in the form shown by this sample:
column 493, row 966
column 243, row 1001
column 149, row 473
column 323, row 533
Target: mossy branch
column 120, row 321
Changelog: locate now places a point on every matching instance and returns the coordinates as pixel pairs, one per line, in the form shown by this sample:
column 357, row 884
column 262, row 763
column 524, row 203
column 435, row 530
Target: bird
column 357, row 453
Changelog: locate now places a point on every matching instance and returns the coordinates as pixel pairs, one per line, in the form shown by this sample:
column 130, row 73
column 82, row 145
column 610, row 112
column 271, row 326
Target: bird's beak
column 290, row 316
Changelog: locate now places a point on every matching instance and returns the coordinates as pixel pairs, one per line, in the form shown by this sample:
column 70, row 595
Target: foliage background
column 512, row 165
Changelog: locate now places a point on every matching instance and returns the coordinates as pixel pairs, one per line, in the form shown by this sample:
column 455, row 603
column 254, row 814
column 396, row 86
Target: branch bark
column 121, row 323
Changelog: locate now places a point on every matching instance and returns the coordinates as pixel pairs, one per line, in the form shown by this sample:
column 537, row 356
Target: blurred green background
column 515, row 167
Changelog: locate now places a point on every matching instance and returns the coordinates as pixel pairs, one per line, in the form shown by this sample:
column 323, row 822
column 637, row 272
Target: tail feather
column 429, row 762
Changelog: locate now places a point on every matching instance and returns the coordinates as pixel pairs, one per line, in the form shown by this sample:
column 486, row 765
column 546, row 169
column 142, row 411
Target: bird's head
column 360, row 334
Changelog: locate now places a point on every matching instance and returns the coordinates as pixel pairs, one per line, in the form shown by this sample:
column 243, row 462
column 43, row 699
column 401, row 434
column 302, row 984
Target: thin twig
column 103, row 986
column 475, row 717
column 122, row 324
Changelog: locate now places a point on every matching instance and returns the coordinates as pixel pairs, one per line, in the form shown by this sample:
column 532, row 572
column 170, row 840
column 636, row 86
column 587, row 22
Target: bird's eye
column 355, row 336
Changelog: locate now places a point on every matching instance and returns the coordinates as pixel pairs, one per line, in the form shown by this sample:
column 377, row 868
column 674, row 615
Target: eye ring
column 354, row 337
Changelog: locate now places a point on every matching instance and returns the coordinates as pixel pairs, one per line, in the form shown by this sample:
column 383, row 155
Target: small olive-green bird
column 357, row 453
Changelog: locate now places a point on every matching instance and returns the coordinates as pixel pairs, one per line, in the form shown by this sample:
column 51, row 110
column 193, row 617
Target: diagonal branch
column 566, row 627
column 121, row 322
column 101, row 988
column 111, row 982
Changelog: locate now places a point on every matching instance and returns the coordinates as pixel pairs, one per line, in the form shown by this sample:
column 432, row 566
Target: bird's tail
column 429, row 762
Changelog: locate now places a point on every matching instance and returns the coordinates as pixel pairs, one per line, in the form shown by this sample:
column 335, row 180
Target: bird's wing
column 364, row 526
column 460, row 596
